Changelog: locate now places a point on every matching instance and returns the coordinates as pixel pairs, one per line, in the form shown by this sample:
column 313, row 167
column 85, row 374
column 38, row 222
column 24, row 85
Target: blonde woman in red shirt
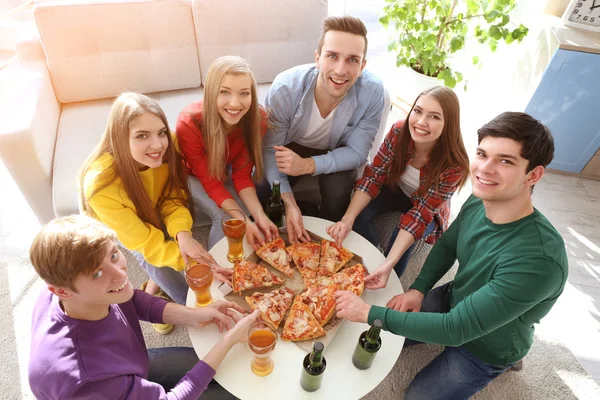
column 221, row 139
column 420, row 164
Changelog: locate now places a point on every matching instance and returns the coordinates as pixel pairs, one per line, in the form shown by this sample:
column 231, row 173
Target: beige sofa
column 55, row 101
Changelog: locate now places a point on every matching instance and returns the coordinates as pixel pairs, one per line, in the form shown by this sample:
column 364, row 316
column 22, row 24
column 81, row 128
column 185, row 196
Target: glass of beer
column 199, row 277
column 262, row 339
column 234, row 227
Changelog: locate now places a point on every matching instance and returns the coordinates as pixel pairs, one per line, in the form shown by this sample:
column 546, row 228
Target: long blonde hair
column 115, row 141
column 211, row 124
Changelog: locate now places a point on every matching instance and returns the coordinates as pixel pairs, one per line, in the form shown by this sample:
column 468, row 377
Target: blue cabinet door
column 568, row 102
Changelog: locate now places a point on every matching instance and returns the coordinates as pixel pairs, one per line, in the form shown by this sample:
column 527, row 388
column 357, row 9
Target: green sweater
column 509, row 277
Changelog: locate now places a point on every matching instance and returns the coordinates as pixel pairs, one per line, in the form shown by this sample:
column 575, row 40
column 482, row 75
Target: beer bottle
column 367, row 347
column 275, row 206
column 314, row 366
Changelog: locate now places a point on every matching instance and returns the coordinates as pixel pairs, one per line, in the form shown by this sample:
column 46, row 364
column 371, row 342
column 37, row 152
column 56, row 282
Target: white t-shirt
column 409, row 181
column 319, row 128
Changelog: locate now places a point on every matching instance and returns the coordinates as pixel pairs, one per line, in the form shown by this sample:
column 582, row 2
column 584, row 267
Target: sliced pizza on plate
column 274, row 253
column 333, row 258
column 247, row 275
column 272, row 305
column 320, row 302
column 301, row 324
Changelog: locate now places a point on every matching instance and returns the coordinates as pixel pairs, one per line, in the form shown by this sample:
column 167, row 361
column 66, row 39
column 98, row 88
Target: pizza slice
column 351, row 278
column 305, row 255
column 301, row 324
column 333, row 258
column 247, row 275
column 320, row 302
column 272, row 305
column 275, row 255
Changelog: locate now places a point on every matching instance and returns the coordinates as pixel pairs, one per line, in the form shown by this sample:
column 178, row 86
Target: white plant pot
column 411, row 84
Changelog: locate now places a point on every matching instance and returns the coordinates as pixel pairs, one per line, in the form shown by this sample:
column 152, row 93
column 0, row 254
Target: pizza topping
column 274, row 316
column 274, row 249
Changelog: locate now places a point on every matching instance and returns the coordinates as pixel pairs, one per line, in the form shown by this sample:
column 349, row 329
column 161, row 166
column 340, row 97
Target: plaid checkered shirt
column 428, row 204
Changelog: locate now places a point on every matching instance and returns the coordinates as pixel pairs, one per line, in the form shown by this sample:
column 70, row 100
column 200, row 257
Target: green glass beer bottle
column 367, row 347
column 313, row 368
column 275, row 208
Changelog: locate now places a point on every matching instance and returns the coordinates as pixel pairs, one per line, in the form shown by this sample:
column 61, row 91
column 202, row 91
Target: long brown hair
column 211, row 124
column 449, row 151
column 115, row 141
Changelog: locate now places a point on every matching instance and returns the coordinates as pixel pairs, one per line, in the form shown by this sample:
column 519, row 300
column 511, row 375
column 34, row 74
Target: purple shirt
column 105, row 359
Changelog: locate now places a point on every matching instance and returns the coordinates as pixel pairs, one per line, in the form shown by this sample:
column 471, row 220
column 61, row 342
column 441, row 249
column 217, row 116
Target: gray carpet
column 551, row 371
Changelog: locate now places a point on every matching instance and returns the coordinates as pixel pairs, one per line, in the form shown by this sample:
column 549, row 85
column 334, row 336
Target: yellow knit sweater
column 113, row 207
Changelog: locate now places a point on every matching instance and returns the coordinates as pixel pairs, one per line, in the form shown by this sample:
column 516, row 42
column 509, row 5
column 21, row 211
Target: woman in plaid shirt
column 417, row 169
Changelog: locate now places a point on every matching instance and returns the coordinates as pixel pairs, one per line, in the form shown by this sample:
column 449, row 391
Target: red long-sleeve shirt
column 194, row 154
column 426, row 207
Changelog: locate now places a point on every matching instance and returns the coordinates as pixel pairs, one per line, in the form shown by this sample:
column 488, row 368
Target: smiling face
column 498, row 171
column 426, row 121
column 148, row 140
column 340, row 63
column 234, row 99
column 108, row 284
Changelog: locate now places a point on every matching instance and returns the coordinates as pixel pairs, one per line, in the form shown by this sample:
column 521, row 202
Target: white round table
column 341, row 379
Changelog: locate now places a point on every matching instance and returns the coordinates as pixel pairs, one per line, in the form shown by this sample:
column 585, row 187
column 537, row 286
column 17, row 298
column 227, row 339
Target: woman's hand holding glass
column 190, row 248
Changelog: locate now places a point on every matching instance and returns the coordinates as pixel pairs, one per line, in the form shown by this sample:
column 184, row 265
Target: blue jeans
column 169, row 364
column 389, row 199
column 172, row 282
column 456, row 373
column 203, row 202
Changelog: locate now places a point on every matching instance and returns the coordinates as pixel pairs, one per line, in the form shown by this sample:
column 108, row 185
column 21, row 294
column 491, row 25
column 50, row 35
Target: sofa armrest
column 29, row 113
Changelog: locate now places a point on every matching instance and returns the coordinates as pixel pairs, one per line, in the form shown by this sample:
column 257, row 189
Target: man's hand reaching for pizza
column 351, row 307
column 294, row 225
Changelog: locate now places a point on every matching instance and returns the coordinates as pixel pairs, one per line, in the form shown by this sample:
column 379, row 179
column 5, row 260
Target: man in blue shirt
column 323, row 120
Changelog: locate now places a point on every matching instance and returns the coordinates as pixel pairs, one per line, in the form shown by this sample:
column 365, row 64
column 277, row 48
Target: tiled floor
column 570, row 203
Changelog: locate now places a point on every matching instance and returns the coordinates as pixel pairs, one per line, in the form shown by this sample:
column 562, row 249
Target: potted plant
column 431, row 31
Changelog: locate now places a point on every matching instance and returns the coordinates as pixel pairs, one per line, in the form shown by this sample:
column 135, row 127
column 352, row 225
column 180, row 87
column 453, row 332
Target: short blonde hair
column 67, row 247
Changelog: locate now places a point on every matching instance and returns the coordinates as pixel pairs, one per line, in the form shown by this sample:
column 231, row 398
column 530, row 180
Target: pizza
column 333, row 258
column 272, row 305
column 247, row 275
column 301, row 324
column 320, row 302
column 305, row 255
column 275, row 255
column 351, row 278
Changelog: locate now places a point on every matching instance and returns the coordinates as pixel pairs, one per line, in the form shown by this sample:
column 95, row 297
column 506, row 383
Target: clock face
column 586, row 12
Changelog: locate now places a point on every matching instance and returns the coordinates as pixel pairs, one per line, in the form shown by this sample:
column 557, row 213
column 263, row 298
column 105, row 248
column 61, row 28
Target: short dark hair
column 346, row 24
column 536, row 139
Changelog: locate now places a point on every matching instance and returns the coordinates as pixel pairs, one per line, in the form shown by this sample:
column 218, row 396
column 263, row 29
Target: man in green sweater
column 512, row 269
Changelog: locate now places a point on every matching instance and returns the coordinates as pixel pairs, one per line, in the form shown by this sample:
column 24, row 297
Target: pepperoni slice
column 248, row 277
column 274, row 249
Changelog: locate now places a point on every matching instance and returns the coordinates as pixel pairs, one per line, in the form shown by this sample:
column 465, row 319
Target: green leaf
column 476, row 60
column 384, row 21
column 492, row 15
column 456, row 44
column 494, row 32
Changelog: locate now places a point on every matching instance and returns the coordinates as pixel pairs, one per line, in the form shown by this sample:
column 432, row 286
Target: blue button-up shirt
column 355, row 123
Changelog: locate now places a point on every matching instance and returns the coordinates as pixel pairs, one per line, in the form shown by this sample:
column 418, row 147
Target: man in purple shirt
column 86, row 337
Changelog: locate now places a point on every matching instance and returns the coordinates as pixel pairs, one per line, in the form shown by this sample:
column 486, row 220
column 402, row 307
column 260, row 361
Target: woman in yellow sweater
column 135, row 183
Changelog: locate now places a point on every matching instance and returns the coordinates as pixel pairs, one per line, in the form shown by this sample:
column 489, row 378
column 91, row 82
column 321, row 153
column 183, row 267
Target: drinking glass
column 233, row 223
column 262, row 339
column 199, row 277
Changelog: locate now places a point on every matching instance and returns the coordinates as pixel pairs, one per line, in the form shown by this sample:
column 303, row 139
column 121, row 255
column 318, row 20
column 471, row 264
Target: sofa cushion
column 80, row 128
column 272, row 35
column 97, row 49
